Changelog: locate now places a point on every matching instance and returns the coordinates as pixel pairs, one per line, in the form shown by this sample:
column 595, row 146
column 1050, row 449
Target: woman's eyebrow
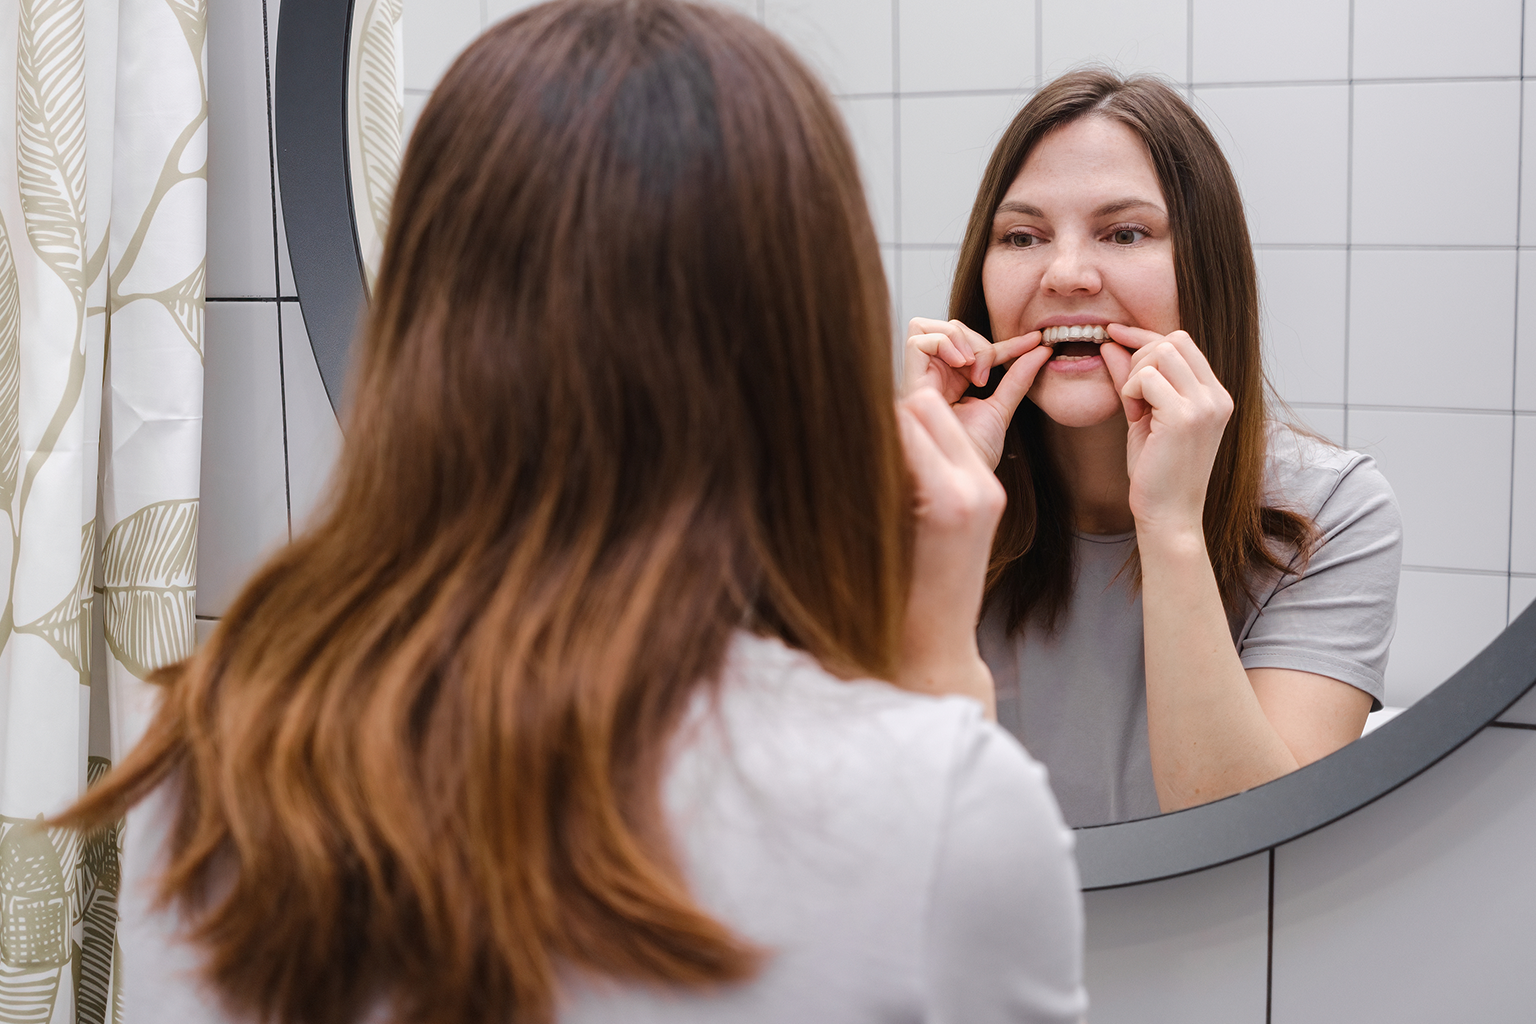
column 1121, row 205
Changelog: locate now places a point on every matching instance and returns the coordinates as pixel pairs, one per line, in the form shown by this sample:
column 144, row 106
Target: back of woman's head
column 624, row 387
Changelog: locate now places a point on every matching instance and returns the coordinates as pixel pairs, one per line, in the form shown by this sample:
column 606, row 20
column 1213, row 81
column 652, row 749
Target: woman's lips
column 1075, row 356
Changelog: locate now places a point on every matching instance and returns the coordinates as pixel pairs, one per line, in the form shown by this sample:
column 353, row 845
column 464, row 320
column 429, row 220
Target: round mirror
column 346, row 94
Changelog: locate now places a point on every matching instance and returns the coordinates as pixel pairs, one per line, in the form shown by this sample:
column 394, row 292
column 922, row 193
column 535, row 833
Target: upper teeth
column 1078, row 332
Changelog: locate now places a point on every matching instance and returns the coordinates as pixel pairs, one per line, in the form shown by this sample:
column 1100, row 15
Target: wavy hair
column 626, row 385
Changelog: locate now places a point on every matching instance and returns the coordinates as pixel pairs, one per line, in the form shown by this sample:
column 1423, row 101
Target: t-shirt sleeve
column 1004, row 940
column 1336, row 618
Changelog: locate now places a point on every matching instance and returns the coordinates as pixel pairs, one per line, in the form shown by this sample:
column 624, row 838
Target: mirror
column 1338, row 159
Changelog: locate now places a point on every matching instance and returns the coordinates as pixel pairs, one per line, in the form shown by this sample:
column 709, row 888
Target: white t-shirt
column 901, row 857
column 1077, row 698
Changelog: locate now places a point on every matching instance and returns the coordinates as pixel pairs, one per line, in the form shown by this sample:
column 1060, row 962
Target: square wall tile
column 926, row 277
column 1182, row 950
column 1470, row 38
column 1324, row 420
column 1420, row 907
column 1289, row 147
column 1302, row 292
column 1451, row 475
column 1408, row 309
column 847, row 42
column 1266, row 42
column 1443, row 619
column 945, row 144
column 1522, row 539
column 997, row 38
column 1525, row 332
column 1439, row 157
column 314, row 435
column 1522, row 594
column 872, row 124
column 1129, row 35
column 244, row 514
column 240, row 167
column 434, row 31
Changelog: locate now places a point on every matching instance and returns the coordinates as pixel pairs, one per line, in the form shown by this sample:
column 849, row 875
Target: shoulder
column 1324, row 482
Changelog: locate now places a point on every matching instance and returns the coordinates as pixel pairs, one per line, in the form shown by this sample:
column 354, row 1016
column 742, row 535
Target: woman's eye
column 1022, row 240
column 1127, row 236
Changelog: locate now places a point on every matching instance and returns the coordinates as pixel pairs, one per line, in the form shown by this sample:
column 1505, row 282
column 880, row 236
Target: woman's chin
column 1077, row 403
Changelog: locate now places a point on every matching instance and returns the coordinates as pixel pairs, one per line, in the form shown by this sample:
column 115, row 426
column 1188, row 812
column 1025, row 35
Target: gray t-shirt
column 1077, row 699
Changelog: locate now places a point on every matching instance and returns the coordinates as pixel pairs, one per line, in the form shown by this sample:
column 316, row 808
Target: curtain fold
column 103, row 224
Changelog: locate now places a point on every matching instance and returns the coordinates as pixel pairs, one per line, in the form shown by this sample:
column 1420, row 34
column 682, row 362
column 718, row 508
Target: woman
column 578, row 702
column 1185, row 598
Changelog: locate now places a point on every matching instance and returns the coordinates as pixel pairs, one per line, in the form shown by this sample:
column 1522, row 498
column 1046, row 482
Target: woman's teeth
column 1079, row 332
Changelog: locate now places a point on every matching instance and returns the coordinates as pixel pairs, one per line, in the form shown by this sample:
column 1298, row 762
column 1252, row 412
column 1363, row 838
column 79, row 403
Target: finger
column 939, row 420
column 1002, row 353
column 1117, row 360
column 1149, row 385
column 1196, row 358
column 1132, row 337
column 1018, row 380
column 923, row 456
column 942, row 346
column 1171, row 363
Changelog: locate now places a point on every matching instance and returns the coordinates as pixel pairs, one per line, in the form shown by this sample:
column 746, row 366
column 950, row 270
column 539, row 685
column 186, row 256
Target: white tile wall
column 979, row 44
column 1525, row 338
column 1183, row 950
column 1130, row 35
column 1522, row 594
column 1420, row 907
column 871, row 122
column 1301, row 40
column 240, row 238
column 925, row 279
column 1443, row 619
column 1408, row 311
column 1468, row 38
column 1294, row 193
column 244, row 513
column 1451, row 475
column 1325, row 421
column 945, row 143
column 849, row 42
column 1522, row 538
column 1304, row 322
column 1436, row 163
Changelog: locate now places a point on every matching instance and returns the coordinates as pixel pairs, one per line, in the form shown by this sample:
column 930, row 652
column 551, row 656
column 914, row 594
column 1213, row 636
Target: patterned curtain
column 103, row 211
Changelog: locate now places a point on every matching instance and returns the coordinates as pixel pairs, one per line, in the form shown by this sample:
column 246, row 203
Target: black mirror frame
column 311, row 110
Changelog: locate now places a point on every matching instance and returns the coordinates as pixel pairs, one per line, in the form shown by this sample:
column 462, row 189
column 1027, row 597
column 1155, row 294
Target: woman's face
column 1081, row 237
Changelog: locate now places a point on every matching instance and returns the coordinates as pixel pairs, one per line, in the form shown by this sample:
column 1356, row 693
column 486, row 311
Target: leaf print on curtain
column 103, row 224
column 375, row 122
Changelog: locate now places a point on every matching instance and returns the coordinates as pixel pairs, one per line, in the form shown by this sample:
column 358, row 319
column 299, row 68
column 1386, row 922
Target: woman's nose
column 1071, row 271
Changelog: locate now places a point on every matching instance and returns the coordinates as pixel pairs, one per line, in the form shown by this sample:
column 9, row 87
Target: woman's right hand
column 949, row 357
column 958, row 502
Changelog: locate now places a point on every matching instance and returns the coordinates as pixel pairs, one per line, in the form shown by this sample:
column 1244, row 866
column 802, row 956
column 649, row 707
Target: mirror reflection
column 1333, row 282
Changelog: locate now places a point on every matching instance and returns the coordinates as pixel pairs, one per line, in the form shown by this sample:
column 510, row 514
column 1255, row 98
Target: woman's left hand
column 1177, row 411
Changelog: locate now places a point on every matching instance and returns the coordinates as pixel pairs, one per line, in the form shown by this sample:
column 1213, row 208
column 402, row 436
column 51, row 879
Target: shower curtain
column 103, row 211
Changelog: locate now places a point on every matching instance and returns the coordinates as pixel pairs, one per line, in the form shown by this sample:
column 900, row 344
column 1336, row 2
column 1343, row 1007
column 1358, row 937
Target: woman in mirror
column 631, row 674
column 1186, row 597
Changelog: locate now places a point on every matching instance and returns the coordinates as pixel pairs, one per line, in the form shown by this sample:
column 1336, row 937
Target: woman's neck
column 1092, row 464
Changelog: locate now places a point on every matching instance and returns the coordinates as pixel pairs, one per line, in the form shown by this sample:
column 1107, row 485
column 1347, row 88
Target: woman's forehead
column 1090, row 162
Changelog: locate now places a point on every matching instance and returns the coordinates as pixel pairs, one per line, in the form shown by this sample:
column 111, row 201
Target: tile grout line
column 1189, row 51
column 1514, row 358
column 1349, row 213
column 277, row 265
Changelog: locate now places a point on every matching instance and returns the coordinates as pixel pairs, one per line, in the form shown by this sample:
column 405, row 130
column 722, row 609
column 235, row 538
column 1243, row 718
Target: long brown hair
column 625, row 386
column 1032, row 568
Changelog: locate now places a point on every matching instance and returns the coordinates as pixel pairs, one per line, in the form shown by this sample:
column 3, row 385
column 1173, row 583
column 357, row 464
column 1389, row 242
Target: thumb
column 1018, row 380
